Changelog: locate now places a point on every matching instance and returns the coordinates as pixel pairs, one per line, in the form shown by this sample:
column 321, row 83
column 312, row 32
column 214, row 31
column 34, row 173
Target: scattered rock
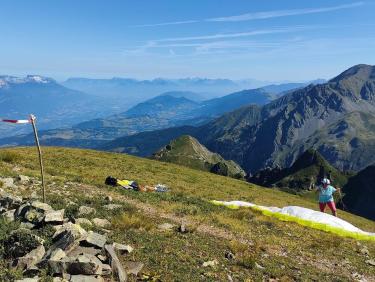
column 20, row 242
column 41, row 206
column 76, row 230
column 117, row 268
column 229, row 255
column 32, row 258
column 54, row 216
column 99, row 222
column 182, row 229
column 108, row 199
column 83, row 221
column 8, row 182
column 122, row 249
column 57, row 254
column 133, row 267
column 371, row 262
column 166, row 226
column 9, row 215
column 364, row 251
column 27, row 225
column 112, row 207
column 84, row 278
column 259, row 266
column 211, row 263
column 84, row 210
column 95, row 239
column 23, row 179
column 34, row 216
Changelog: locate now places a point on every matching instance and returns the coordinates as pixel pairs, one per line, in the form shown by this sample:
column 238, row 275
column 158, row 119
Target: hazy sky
column 267, row 40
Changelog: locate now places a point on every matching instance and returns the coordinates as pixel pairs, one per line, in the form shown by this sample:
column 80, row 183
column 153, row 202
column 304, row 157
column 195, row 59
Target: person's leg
column 332, row 206
column 322, row 206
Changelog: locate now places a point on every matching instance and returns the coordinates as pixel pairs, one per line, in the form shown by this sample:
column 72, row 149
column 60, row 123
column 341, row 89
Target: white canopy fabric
column 303, row 213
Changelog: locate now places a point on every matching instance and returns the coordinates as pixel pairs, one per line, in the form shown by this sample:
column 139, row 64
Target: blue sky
column 269, row 40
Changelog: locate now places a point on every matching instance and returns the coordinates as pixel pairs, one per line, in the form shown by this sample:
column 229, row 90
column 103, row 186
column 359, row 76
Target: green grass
column 286, row 250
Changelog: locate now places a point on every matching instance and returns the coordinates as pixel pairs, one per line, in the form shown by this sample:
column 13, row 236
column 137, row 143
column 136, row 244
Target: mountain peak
column 361, row 72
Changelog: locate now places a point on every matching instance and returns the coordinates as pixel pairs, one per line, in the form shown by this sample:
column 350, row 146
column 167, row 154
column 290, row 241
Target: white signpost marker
column 32, row 120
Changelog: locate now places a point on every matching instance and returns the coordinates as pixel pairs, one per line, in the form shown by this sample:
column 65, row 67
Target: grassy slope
column 276, row 245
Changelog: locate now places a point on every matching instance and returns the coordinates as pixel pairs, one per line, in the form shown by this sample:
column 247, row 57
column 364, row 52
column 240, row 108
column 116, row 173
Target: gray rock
column 99, row 222
column 166, row 226
column 35, row 279
column 9, row 215
column 115, row 263
column 57, row 254
column 84, row 278
column 41, row 206
column 371, row 262
column 211, row 263
column 122, row 249
column 95, row 239
column 23, row 179
column 111, row 207
column 34, row 216
column 83, row 221
column 76, row 230
column 54, row 216
column 83, row 210
column 102, row 258
column 32, row 258
column 133, row 267
column 81, row 250
column 10, row 202
column 108, row 199
column 8, row 182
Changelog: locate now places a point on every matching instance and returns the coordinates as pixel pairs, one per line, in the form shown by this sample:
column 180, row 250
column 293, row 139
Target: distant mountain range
column 336, row 118
column 187, row 151
column 53, row 104
column 167, row 110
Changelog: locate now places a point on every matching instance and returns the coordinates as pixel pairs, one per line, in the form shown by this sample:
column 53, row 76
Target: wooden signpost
column 33, row 120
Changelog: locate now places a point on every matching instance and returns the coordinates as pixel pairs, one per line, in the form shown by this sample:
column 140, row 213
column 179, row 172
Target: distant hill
column 360, row 193
column 187, row 151
column 307, row 171
column 331, row 118
column 53, row 104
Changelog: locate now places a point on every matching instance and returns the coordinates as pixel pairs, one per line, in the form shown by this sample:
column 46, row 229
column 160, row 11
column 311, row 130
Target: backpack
column 111, row 181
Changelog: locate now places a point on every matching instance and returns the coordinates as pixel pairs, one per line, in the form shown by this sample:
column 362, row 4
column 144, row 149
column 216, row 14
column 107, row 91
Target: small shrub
column 9, row 157
column 247, row 261
column 131, row 221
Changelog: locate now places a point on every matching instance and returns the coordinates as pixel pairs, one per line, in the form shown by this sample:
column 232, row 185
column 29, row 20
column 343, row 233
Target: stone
column 106, row 270
column 8, row 182
column 133, row 267
column 102, row 258
column 81, row 265
column 371, row 262
column 57, row 254
column 182, row 229
column 80, row 250
column 111, row 207
column 9, row 215
column 83, row 221
column 258, row 266
column 23, row 179
column 76, row 230
column 115, row 263
column 34, row 216
column 95, row 239
column 54, row 216
column 85, row 278
column 211, row 263
column 83, row 210
column 20, row 242
column 32, row 258
column 108, row 199
column 166, row 226
column 10, row 202
column 122, row 249
column 364, row 251
column 41, row 206
column 99, row 222
column 35, row 279
column 229, row 255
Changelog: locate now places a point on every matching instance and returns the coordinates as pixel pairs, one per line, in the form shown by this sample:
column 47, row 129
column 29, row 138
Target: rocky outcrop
column 74, row 255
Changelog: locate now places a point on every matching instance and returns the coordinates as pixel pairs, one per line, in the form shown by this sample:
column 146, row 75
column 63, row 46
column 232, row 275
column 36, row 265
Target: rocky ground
column 72, row 253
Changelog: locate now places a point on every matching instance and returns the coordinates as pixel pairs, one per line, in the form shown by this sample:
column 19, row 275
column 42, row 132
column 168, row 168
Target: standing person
column 325, row 196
